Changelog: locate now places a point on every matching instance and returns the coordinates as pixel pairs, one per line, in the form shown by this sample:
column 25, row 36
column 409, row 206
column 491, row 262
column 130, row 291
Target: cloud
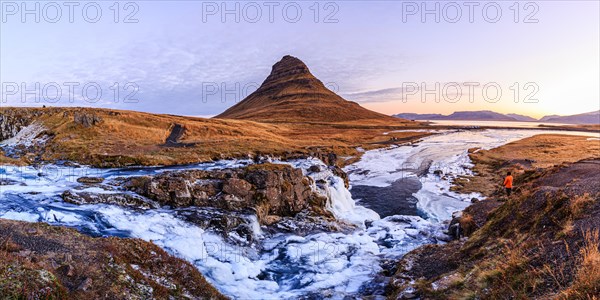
column 382, row 95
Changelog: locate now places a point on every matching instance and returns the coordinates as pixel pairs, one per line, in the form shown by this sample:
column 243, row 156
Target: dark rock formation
column 123, row 199
column 90, row 180
column 177, row 131
column 13, row 120
column 268, row 189
column 86, row 119
column 40, row 261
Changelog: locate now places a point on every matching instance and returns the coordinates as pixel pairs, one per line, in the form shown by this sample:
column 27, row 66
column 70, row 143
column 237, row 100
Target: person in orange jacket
column 508, row 183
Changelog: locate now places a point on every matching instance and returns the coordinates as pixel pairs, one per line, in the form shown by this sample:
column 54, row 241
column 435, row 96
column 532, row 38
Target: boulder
column 90, row 180
column 268, row 189
column 86, row 119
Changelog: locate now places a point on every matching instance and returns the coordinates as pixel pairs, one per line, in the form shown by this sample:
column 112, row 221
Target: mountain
column 413, row 116
column 585, row 118
column 522, row 118
column 482, row 115
column 292, row 94
column 546, row 118
column 486, row 115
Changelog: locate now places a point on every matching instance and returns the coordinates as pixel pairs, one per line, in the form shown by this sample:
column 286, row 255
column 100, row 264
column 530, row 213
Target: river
column 395, row 200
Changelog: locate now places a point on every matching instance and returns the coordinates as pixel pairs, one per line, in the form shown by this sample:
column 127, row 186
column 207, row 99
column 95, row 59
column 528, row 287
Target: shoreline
column 461, row 270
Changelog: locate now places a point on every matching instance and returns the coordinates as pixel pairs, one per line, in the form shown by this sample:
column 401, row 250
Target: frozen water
column 279, row 266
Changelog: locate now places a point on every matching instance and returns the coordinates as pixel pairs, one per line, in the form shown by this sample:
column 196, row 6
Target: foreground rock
column 267, row 189
column 122, row 199
column 39, row 261
column 541, row 243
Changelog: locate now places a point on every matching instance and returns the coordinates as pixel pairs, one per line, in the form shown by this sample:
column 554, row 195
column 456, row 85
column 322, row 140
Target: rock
column 267, row 189
column 337, row 171
column 454, row 229
column 457, row 214
column 85, row 284
column 271, row 219
column 13, row 120
column 236, row 227
column 90, row 180
column 123, row 199
column 66, row 270
column 86, row 119
column 238, row 187
column 314, row 169
column 438, row 172
column 5, row 181
column 474, row 200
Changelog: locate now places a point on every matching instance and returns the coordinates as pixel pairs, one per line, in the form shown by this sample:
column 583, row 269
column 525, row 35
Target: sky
column 198, row 58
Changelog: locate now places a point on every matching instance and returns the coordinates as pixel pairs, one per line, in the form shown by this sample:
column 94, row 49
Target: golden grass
column 586, row 285
column 136, row 138
column 579, row 203
column 542, row 150
column 467, row 224
column 39, row 261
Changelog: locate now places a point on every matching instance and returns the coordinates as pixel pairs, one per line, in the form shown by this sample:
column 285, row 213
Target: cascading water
column 281, row 264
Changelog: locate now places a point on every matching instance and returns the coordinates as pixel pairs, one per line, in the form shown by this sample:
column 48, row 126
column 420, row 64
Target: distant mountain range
column 486, row 115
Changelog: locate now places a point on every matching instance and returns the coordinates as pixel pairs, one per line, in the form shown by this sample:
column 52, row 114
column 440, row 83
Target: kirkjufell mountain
column 291, row 93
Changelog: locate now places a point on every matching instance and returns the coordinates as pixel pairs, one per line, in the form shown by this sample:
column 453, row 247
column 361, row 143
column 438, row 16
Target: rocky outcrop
column 39, row 261
column 122, row 199
column 86, row 119
column 267, row 189
column 329, row 158
column 464, row 223
column 90, row 180
column 13, row 120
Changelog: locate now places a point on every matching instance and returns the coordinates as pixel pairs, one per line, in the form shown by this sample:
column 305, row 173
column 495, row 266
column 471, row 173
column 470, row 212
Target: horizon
column 289, row 150
column 187, row 59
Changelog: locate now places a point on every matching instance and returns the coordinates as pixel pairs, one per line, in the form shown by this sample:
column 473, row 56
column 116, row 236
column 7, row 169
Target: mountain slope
column 546, row 118
column 482, row 115
column 292, row 94
column 585, row 118
column 522, row 118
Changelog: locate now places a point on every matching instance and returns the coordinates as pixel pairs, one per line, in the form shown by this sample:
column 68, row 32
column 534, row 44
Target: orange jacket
column 508, row 181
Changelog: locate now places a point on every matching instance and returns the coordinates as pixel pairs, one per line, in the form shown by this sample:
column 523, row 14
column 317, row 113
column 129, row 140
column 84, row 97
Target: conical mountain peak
column 288, row 69
column 292, row 93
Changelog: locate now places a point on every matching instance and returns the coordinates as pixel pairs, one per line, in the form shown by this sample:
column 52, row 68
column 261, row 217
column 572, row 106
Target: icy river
column 414, row 211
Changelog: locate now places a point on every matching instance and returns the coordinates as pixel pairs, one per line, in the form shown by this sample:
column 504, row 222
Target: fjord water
column 280, row 265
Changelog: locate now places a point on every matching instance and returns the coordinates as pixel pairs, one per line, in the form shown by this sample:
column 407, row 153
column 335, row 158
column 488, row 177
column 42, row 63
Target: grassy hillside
column 134, row 138
column 39, row 261
column 540, row 243
column 540, row 151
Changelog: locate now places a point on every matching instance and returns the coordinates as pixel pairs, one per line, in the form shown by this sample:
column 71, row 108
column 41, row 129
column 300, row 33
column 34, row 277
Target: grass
column 579, row 204
column 136, row 138
column 39, row 261
column 521, row 157
column 586, row 285
column 540, row 244
column 467, row 224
